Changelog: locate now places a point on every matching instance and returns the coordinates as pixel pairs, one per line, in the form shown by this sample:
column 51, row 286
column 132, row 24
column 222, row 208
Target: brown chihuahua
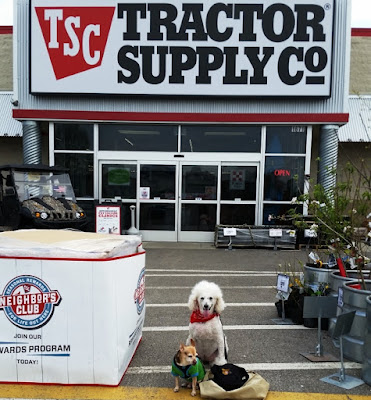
column 187, row 365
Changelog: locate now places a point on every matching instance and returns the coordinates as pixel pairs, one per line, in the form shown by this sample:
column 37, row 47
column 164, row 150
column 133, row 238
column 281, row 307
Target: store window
column 119, row 180
column 160, row 179
column 238, row 182
column 206, row 138
column 118, row 137
column 198, row 217
column 237, row 214
column 159, row 217
column 73, row 136
column 283, row 178
column 81, row 171
column 286, row 139
column 199, row 182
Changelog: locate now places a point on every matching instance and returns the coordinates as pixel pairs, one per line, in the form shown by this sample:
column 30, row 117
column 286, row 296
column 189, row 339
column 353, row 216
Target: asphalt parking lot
column 248, row 279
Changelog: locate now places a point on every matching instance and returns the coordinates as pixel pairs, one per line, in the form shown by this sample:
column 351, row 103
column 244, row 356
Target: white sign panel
column 275, row 232
column 229, row 231
column 308, row 233
column 283, row 283
column 145, row 193
column 108, row 219
column 192, row 47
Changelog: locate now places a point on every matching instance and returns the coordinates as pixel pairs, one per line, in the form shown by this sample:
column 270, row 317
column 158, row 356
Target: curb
column 14, row 391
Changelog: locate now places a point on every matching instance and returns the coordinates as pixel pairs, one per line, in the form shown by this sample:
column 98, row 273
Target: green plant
column 341, row 215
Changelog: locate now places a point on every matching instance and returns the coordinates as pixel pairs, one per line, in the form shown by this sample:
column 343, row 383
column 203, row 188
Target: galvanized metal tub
column 314, row 275
column 366, row 369
column 355, row 300
column 336, row 281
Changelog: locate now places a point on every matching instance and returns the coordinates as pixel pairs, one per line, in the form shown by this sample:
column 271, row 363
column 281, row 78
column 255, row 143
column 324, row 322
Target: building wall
column 6, row 59
column 360, row 61
column 359, row 154
column 11, row 150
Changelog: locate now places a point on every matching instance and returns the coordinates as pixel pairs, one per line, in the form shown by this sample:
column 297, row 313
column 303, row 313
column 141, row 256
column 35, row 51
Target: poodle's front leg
column 220, row 359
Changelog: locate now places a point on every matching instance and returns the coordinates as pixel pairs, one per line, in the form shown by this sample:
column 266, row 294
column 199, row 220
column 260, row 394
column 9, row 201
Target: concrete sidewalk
column 133, row 393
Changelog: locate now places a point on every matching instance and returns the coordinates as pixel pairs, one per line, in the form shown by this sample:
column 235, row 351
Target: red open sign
column 282, row 172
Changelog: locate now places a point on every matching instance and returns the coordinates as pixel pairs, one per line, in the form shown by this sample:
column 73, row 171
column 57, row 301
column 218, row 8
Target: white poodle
column 205, row 328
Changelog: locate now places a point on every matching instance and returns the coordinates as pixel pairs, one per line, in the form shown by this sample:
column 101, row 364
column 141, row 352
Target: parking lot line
column 143, row 370
column 226, row 328
column 227, row 304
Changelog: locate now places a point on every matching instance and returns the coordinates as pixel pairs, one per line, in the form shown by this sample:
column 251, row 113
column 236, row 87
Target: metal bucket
column 314, row 275
column 336, row 281
column 366, row 369
column 355, row 300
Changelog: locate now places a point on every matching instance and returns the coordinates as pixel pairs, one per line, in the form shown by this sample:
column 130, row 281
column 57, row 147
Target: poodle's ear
column 219, row 305
column 192, row 302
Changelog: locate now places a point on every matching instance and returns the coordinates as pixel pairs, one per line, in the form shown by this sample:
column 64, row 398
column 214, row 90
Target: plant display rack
column 255, row 236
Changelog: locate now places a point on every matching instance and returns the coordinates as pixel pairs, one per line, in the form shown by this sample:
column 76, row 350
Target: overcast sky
column 361, row 13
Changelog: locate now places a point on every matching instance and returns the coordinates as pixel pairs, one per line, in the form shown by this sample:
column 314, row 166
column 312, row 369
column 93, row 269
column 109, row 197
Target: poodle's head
column 206, row 297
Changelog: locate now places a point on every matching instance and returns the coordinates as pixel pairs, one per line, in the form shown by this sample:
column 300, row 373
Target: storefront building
column 197, row 113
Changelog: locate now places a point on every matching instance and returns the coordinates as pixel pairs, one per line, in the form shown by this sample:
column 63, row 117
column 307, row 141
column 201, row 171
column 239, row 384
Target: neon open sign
column 282, row 172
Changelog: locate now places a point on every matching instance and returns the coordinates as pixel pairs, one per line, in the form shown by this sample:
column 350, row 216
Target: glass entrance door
column 157, row 201
column 182, row 201
column 198, row 201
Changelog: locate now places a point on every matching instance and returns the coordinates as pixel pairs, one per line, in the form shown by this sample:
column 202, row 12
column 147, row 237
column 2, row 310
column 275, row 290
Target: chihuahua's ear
column 193, row 343
column 181, row 347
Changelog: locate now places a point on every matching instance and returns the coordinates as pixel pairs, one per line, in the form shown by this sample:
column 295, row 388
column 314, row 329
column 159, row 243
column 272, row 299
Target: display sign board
column 229, row 231
column 283, row 283
column 275, row 232
column 108, row 219
column 189, row 47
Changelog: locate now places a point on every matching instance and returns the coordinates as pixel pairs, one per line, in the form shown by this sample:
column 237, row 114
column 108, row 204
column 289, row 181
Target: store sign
column 108, row 219
column 193, row 47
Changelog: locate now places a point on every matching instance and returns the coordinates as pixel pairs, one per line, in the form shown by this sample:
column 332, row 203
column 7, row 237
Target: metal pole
column 328, row 155
column 31, row 142
column 342, row 369
column 319, row 346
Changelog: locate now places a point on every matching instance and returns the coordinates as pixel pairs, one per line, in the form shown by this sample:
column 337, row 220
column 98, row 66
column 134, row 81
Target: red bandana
column 196, row 316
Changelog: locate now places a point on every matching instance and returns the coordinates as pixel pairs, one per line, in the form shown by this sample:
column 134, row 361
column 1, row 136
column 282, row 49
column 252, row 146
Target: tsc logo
column 28, row 302
column 75, row 37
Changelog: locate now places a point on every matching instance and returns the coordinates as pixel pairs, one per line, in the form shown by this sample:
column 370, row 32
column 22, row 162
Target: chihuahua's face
column 186, row 355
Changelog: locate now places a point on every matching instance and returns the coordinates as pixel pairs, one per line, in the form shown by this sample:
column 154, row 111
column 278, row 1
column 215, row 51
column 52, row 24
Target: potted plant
column 298, row 289
column 341, row 217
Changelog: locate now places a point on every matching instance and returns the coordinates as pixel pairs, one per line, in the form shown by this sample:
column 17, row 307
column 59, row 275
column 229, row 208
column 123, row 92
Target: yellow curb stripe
column 19, row 391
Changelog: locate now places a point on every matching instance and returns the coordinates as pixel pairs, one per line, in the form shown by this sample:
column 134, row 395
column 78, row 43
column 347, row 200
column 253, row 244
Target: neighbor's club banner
column 190, row 47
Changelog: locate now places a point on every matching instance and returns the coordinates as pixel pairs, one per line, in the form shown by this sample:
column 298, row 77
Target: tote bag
column 256, row 388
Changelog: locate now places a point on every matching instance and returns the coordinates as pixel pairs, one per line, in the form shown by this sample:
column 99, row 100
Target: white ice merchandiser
column 72, row 306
